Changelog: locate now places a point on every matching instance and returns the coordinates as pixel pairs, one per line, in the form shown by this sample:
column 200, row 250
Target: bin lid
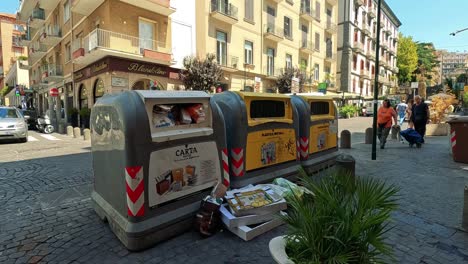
column 315, row 97
column 458, row 119
column 172, row 94
column 243, row 95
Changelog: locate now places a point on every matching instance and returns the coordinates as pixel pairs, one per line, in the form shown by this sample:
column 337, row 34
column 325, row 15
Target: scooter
column 44, row 125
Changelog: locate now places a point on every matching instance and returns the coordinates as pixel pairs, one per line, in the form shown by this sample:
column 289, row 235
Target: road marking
column 49, row 137
column 31, row 138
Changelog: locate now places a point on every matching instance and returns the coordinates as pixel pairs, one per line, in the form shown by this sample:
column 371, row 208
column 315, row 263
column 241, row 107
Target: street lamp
column 376, row 83
column 458, row 31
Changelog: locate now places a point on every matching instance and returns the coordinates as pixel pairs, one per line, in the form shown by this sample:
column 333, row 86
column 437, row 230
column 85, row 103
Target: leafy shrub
column 440, row 106
column 344, row 221
column 348, row 110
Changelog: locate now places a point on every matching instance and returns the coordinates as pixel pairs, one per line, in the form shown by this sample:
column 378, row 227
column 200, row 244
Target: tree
column 407, row 58
column 200, row 74
column 285, row 79
column 427, row 61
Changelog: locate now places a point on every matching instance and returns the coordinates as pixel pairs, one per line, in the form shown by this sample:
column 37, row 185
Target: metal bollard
column 76, row 132
column 394, row 132
column 346, row 164
column 465, row 209
column 345, row 139
column 368, row 139
column 87, row 134
column 70, row 131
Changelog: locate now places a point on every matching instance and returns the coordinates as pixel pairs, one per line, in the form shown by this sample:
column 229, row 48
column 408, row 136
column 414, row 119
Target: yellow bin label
column 270, row 147
column 321, row 138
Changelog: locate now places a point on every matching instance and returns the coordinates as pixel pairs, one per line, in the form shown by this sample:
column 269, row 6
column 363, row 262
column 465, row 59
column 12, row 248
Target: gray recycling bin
column 156, row 155
column 318, row 131
column 262, row 135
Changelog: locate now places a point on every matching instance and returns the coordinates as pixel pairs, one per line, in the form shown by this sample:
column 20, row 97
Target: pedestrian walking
column 409, row 112
column 401, row 110
column 385, row 114
column 420, row 116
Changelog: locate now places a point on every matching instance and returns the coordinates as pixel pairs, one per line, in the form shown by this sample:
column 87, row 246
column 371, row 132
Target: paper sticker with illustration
column 182, row 170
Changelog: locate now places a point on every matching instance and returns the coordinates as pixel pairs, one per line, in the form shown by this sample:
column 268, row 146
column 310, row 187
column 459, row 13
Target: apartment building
column 87, row 48
column 11, row 57
column 357, row 34
column 254, row 40
column 452, row 63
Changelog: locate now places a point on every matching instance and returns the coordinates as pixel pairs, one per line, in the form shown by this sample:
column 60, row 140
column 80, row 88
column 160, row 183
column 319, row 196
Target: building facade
column 89, row 48
column 255, row 40
column 357, row 34
column 12, row 56
column 452, row 63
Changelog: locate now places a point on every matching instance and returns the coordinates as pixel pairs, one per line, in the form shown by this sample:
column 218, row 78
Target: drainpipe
column 261, row 41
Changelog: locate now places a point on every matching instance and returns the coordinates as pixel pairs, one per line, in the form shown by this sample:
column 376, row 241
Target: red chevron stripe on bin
column 237, row 162
column 135, row 186
column 304, row 148
column 453, row 138
column 224, row 154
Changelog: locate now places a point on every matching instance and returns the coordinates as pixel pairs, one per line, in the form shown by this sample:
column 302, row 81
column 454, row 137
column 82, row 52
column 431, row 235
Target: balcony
column 370, row 54
column 382, row 24
column 51, row 36
column 48, row 4
column 384, row 45
column 101, row 43
column 224, row 12
column 358, row 47
column 366, row 29
column 85, row 7
column 371, row 12
column 396, row 70
column 306, row 46
column 272, row 73
column 25, row 39
column 24, row 65
column 359, row 2
column 37, row 51
column 274, row 33
column 364, row 74
column 307, row 13
column 330, row 57
column 51, row 73
column 330, row 27
column 37, row 18
column 162, row 7
column 229, row 63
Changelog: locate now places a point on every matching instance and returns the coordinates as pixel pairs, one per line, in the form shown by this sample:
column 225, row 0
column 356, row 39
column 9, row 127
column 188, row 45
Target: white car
column 12, row 124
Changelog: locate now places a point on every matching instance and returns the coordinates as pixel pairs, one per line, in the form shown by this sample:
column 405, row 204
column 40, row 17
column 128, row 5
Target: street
column 47, row 215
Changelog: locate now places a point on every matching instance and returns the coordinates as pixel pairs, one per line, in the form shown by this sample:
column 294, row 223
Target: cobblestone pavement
column 47, row 215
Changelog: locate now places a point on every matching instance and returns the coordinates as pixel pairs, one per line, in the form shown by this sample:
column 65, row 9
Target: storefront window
column 98, row 89
column 83, row 97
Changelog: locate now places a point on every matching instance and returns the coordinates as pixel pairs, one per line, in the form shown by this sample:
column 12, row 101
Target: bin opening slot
column 170, row 115
column 267, row 109
column 319, row 108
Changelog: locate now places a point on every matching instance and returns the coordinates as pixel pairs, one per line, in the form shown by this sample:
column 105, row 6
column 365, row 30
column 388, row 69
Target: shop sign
column 322, row 88
column 99, row 67
column 119, row 82
column 54, row 92
column 182, row 170
column 146, row 69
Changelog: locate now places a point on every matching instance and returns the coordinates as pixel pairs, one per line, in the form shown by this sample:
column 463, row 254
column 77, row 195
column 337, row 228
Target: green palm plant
column 344, row 221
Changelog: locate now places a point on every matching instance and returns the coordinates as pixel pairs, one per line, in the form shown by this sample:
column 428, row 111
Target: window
column 316, row 72
column 83, row 97
column 248, row 52
column 354, row 62
column 317, row 41
column 319, row 108
column 146, row 33
column 67, row 52
column 317, row 10
column 287, row 27
column 221, row 47
column 288, row 61
column 270, row 61
column 249, row 10
column 66, row 11
column 267, row 109
column 98, row 89
column 362, row 65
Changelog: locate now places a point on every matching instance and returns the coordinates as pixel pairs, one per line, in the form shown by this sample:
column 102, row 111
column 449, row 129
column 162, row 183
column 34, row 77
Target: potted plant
column 347, row 111
column 344, row 220
column 439, row 110
column 85, row 113
column 73, row 114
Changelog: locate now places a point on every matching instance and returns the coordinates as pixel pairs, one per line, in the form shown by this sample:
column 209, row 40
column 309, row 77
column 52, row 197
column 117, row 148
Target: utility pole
column 376, row 84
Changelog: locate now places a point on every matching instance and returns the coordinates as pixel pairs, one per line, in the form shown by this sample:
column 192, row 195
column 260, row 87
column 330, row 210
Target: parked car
column 12, row 124
column 30, row 116
column 369, row 105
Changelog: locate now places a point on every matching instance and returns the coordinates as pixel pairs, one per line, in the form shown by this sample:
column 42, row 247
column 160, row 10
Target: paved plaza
column 47, row 216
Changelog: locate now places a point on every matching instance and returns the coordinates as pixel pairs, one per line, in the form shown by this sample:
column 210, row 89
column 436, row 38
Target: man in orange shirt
column 384, row 121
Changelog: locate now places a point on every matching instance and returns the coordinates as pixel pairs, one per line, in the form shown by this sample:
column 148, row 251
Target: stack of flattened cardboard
column 252, row 211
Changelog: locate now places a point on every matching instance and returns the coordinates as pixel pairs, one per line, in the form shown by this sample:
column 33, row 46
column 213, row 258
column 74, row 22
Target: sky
column 425, row 20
